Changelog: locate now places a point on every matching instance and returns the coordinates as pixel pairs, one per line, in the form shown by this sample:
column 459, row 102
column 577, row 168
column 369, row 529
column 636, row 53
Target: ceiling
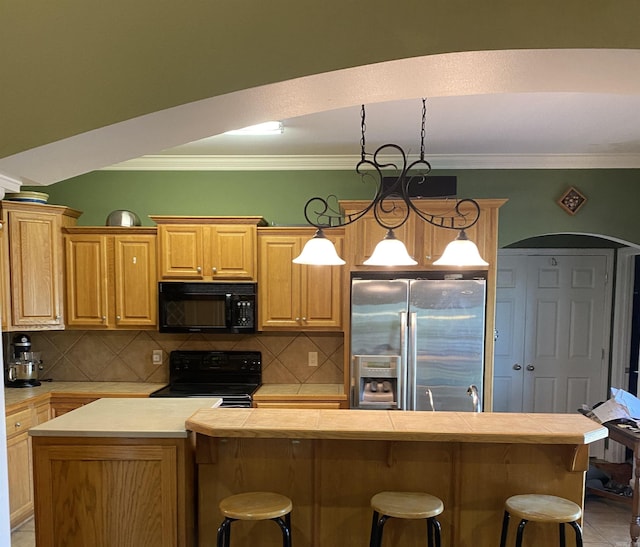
column 518, row 109
column 519, row 130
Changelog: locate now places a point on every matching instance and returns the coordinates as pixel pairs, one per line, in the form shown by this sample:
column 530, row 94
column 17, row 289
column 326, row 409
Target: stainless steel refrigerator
column 417, row 344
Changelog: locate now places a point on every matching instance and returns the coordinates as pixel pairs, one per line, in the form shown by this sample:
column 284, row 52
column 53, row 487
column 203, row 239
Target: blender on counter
column 24, row 364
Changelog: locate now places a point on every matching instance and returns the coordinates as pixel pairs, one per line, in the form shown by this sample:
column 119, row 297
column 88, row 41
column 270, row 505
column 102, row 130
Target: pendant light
column 390, row 252
column 319, row 251
column 461, row 252
column 391, row 208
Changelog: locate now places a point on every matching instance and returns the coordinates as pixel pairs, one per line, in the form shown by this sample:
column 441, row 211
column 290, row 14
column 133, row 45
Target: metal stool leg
column 505, row 528
column 286, row 531
column 578, row 531
column 433, row 531
column 374, row 527
column 562, row 536
column 224, row 533
column 377, row 541
column 521, row 526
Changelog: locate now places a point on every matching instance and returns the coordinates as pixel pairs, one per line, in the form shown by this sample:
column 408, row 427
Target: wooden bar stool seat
column 255, row 506
column 541, row 508
column 406, row 505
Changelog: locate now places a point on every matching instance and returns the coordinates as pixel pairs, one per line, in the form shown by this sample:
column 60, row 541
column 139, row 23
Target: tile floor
column 606, row 524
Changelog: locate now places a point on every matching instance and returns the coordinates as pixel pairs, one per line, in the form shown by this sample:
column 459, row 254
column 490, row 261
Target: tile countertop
column 15, row 396
column 280, row 391
column 483, row 427
column 126, row 417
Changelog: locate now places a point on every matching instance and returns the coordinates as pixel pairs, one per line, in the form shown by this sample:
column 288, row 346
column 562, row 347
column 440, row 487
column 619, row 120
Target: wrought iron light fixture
column 391, row 207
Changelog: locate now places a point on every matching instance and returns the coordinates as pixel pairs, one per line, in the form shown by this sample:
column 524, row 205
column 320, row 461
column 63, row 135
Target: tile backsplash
column 126, row 356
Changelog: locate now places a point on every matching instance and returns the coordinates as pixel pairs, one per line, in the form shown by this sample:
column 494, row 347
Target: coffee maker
column 24, row 364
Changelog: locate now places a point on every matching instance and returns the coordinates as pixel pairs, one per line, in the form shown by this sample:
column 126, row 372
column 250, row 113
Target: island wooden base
column 332, row 481
column 107, row 492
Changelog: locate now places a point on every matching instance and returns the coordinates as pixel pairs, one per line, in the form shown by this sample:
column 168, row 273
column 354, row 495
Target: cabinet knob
column 517, row 367
column 198, row 269
column 104, row 318
column 298, row 319
column 214, row 270
column 304, row 318
column 58, row 317
column 18, row 424
column 118, row 318
column 530, row 367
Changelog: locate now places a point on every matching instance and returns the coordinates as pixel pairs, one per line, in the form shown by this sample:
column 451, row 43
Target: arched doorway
column 563, row 319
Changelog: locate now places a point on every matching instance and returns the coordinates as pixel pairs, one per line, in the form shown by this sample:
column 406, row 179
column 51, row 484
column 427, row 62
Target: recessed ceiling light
column 266, row 128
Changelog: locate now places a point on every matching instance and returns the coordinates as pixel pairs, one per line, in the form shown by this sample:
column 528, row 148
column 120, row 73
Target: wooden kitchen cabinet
column 145, row 490
column 293, row 296
column 34, row 278
column 60, row 405
column 207, row 248
column 19, row 462
column 111, row 277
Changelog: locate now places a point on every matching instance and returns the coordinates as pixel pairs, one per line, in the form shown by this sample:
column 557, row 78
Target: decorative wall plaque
column 572, row 200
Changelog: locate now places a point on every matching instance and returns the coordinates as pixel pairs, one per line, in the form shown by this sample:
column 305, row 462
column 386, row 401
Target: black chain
column 363, row 128
column 422, row 129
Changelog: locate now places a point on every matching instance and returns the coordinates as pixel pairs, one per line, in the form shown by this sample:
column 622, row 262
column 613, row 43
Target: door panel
column 509, row 343
column 552, row 327
column 566, row 298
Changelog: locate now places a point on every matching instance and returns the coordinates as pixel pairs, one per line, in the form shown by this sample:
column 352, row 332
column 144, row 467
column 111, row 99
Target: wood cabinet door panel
column 321, row 293
column 86, row 278
column 279, row 282
column 20, row 481
column 233, row 252
column 35, row 268
column 136, row 502
column 135, row 281
column 5, row 295
column 181, row 252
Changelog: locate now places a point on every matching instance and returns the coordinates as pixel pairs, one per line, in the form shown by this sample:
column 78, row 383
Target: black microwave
column 207, row 307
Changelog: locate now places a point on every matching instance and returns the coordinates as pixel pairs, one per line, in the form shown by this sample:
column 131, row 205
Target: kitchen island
column 118, row 471
column 330, row 462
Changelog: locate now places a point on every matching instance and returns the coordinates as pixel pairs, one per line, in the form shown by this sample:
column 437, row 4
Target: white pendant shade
column 390, row 252
column 319, row 251
column 461, row 252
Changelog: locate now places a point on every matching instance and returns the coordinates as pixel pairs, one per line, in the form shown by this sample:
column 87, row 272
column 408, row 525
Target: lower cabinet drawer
column 18, row 422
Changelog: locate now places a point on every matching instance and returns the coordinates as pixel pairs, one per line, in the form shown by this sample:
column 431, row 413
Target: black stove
column 232, row 376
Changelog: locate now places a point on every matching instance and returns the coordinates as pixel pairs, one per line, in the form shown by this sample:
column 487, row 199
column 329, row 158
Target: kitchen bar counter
column 367, row 425
column 330, row 462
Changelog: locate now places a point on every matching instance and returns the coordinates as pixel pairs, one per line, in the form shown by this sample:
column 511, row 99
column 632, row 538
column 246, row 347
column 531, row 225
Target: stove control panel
column 204, row 366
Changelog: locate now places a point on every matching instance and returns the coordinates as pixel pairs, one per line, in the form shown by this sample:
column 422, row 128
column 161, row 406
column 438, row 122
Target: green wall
column 279, row 196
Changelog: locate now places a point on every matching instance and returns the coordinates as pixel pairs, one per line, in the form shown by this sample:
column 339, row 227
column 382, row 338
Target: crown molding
column 8, row 184
column 162, row 162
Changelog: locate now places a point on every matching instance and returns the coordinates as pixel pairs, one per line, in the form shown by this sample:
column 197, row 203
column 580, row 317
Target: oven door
column 228, row 400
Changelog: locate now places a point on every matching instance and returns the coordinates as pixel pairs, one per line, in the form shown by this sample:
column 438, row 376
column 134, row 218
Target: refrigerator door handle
column 402, row 375
column 412, row 368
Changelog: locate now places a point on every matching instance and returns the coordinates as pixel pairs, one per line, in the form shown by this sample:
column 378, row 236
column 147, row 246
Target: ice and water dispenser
column 378, row 381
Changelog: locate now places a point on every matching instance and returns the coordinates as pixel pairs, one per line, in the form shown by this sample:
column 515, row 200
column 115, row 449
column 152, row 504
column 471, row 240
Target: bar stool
column 405, row 505
column 541, row 508
column 255, row 506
